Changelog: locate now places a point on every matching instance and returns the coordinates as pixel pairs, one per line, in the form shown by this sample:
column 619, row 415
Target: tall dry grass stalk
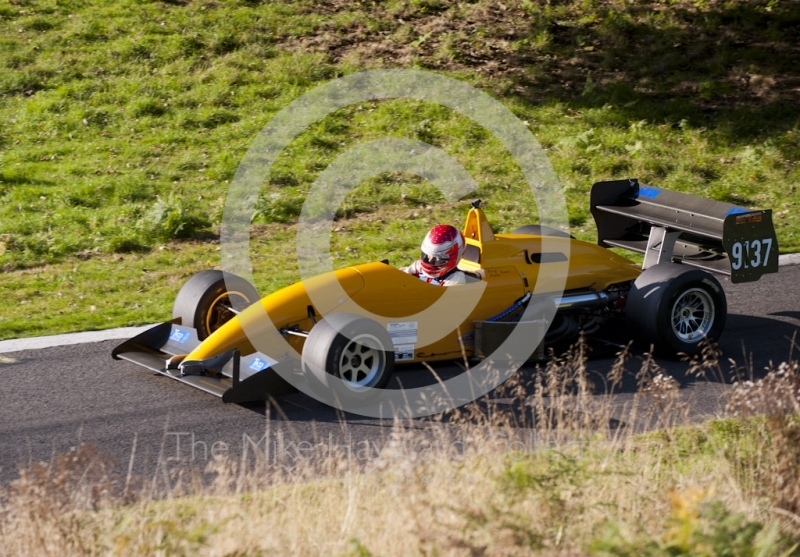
column 545, row 467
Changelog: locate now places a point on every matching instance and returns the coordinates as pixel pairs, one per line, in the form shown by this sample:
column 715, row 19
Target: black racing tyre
column 210, row 299
column 541, row 230
column 350, row 356
column 674, row 307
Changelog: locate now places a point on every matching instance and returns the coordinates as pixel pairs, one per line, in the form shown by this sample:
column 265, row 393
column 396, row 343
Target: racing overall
column 455, row 276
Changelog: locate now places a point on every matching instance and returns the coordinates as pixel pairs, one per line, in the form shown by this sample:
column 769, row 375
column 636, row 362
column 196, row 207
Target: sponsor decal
column 403, row 333
column 404, row 353
column 750, row 219
column 258, row 364
column 179, row 336
column 503, row 271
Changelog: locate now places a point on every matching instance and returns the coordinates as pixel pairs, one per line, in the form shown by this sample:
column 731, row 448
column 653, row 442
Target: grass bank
column 124, row 123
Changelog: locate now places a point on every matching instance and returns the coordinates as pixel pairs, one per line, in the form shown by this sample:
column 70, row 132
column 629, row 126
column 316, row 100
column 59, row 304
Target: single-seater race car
column 357, row 323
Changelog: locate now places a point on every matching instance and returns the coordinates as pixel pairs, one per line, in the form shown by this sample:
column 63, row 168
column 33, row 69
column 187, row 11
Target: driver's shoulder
column 462, row 277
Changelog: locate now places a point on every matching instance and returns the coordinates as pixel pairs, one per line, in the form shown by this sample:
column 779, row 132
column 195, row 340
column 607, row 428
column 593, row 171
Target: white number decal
column 757, row 246
column 736, row 252
column 748, row 254
column 768, row 242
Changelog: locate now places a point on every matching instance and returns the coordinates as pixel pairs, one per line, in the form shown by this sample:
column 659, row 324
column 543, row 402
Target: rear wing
column 668, row 226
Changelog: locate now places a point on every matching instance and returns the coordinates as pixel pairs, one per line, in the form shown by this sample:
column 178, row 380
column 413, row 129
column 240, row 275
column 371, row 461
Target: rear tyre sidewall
column 198, row 303
column 649, row 309
column 323, row 351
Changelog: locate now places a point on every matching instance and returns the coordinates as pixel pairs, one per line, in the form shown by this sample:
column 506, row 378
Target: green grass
column 124, row 123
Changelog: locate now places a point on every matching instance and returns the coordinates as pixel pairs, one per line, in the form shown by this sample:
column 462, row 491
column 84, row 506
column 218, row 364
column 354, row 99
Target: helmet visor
column 434, row 260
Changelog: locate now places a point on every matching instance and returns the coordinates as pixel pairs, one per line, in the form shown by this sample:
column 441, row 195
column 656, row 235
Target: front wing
column 232, row 377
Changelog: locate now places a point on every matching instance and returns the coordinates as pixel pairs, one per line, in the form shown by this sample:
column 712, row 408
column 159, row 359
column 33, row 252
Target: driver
column 442, row 249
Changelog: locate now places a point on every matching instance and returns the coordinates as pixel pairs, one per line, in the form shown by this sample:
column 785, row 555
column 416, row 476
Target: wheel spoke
column 361, row 362
column 693, row 315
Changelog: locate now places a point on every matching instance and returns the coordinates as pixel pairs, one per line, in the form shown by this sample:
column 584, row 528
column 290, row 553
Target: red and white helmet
column 442, row 249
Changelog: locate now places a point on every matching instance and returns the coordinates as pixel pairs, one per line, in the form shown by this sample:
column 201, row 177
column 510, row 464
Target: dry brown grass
column 550, row 469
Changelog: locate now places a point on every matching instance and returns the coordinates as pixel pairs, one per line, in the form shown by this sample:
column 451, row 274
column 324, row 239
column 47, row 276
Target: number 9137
column 750, row 254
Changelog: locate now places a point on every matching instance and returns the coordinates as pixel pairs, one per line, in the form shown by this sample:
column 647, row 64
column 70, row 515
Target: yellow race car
column 536, row 284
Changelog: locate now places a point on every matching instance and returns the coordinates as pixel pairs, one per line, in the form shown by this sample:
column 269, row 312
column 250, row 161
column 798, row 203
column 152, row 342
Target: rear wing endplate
column 668, row 226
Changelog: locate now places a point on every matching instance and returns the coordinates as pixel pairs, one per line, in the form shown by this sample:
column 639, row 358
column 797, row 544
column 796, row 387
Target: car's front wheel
column 350, row 356
column 674, row 308
column 210, row 299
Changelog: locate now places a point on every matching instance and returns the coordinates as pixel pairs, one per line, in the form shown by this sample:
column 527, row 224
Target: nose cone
column 257, row 327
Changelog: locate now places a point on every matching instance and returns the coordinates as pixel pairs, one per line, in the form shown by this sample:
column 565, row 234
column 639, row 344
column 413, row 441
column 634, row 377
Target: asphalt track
column 59, row 397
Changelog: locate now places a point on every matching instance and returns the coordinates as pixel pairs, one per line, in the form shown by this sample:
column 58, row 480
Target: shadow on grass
column 729, row 65
column 15, row 180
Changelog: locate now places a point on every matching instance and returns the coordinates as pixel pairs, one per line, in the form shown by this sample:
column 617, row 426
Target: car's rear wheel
column 674, row 308
column 352, row 357
column 210, row 299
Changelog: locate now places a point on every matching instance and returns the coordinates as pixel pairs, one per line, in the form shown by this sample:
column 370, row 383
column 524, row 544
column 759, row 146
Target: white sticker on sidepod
column 404, row 353
column 403, row 333
column 467, row 339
